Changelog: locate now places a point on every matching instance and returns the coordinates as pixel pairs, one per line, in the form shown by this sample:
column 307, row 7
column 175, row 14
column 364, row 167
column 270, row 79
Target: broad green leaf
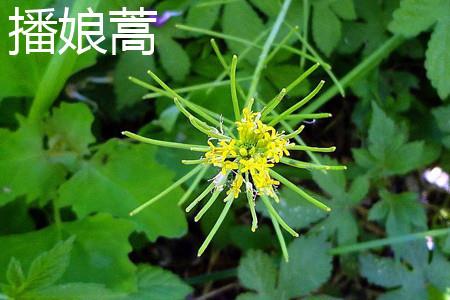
column 131, row 63
column 202, row 16
column 308, row 268
column 50, row 266
column 248, row 19
column 159, row 284
column 402, row 213
column 26, row 168
column 442, row 117
column 345, row 9
column 174, row 59
column 72, row 291
column 69, row 128
column 269, row 7
column 120, row 177
column 168, row 118
column 415, row 16
column 326, row 28
column 99, row 254
column 257, row 272
column 437, row 60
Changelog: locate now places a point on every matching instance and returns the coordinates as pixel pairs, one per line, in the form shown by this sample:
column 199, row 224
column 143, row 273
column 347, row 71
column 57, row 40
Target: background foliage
column 68, row 181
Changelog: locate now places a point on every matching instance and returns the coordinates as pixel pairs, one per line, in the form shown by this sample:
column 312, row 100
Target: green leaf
column 120, row 177
column 381, row 271
column 308, row 268
column 415, row 16
column 388, row 143
column 297, row 212
column 248, row 19
column 269, row 7
column 202, row 16
column 14, row 273
column 168, row 118
column 99, row 254
column 257, row 272
column 326, row 28
column 345, row 9
column 442, row 117
column 22, row 74
column 403, row 213
column 50, row 266
column 26, row 168
column 69, row 128
column 72, row 291
column 158, row 284
column 174, row 59
column 437, row 60
column 409, row 276
column 131, row 63
column 341, row 221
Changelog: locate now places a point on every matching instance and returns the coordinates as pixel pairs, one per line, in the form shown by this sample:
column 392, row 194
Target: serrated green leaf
column 326, row 28
column 120, row 177
column 437, row 60
column 409, row 276
column 257, row 272
column 387, row 143
column 415, row 16
column 99, row 254
column 26, row 168
column 403, row 213
column 174, row 59
column 69, row 128
column 309, row 263
column 381, row 271
column 50, row 266
column 131, row 63
column 158, row 284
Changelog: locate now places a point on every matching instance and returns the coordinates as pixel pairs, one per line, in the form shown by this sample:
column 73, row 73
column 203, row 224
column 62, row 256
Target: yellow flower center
column 257, row 148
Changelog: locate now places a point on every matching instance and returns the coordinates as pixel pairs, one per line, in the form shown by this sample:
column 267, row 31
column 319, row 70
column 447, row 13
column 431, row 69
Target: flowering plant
column 244, row 152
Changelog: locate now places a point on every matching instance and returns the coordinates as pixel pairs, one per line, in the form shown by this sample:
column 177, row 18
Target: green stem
column 299, row 191
column 200, row 197
column 266, row 48
column 296, row 106
column 229, row 200
column 194, row 185
column 307, row 165
column 166, row 191
column 357, row 72
column 280, row 237
column 242, row 41
column 312, row 149
column 234, row 98
column 280, row 220
column 388, row 241
column 208, row 204
column 175, row 145
column 196, row 87
column 58, row 70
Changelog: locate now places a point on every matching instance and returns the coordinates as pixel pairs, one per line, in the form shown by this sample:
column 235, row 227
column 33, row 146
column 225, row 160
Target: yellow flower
column 243, row 152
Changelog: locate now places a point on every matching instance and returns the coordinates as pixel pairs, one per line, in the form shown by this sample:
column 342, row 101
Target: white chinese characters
column 38, row 29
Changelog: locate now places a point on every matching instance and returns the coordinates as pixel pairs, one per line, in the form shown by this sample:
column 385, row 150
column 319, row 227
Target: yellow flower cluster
column 250, row 156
